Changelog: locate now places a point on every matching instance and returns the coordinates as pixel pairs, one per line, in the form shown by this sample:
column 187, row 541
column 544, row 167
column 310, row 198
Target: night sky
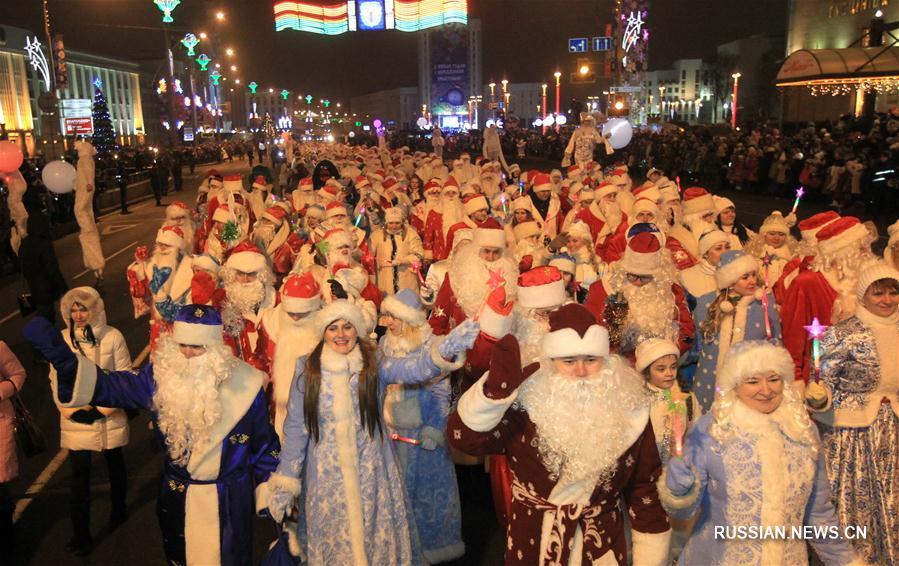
column 524, row 40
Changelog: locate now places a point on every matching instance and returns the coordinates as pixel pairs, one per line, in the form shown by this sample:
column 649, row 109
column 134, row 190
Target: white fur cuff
column 651, row 549
column 284, row 483
column 444, row 365
column 85, row 383
column 480, row 413
column 445, row 554
column 674, row 503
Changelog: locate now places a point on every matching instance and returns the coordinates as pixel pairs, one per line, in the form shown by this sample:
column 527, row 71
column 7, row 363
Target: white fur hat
column 722, row 202
column 341, row 309
column 733, row 265
column 404, row 306
column 872, row 273
column 893, row 231
column 710, row 239
column 775, row 222
column 489, row 234
column 526, row 229
column 580, row 230
column 752, row 357
column 171, row 236
column 475, row 203
column 651, row 350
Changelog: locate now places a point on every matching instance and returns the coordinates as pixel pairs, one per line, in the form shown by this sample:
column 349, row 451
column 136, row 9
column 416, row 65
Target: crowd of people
column 629, row 360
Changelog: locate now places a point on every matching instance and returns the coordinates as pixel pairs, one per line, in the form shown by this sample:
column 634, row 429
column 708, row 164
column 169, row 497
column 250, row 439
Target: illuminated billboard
column 327, row 17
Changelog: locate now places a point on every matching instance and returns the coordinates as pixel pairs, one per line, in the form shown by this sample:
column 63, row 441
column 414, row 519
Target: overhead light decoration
column 839, row 87
column 285, row 94
column 167, row 7
column 308, row 99
column 37, row 59
column 189, row 42
column 203, row 61
column 253, row 86
column 362, row 15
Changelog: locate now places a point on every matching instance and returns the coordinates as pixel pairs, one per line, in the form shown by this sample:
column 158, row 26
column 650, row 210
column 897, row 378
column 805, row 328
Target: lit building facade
column 396, row 107
column 449, row 72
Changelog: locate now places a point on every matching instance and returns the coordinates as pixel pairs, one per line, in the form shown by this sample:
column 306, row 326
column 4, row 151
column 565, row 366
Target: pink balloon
column 10, row 157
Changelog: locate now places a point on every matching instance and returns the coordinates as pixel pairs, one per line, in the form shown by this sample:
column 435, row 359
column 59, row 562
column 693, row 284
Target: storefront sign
column 853, row 7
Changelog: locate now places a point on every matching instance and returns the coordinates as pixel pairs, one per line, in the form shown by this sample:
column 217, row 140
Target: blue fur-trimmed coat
column 353, row 506
column 760, row 476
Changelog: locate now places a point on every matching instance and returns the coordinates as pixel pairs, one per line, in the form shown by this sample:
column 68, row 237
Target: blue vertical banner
column 449, row 70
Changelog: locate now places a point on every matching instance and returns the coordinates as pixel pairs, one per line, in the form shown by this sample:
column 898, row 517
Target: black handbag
column 28, row 435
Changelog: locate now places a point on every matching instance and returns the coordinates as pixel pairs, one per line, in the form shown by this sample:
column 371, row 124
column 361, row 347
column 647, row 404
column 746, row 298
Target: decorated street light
column 558, row 76
column 285, row 94
column 189, row 42
column 308, row 99
column 203, row 61
column 733, row 113
column 253, row 86
column 167, row 7
column 215, row 76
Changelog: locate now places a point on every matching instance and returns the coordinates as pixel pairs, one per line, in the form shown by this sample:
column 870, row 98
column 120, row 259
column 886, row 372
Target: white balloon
column 620, row 130
column 59, row 177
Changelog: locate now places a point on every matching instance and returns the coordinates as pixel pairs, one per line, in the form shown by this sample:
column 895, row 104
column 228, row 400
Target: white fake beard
column 245, row 297
column 574, row 417
column 400, row 346
column 453, row 213
column 611, row 213
column 187, row 399
column 698, row 226
column 169, row 258
column 295, row 339
column 647, row 308
column 530, row 332
column 303, row 199
column 263, row 235
column 469, row 275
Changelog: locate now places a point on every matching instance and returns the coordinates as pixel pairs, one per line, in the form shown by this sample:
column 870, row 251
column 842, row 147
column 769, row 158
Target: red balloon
column 10, row 157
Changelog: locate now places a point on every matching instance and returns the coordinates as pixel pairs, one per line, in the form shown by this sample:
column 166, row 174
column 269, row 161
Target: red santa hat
column 214, row 174
column 648, row 190
column 338, row 237
column 604, row 189
column 260, row 182
column 223, row 214
column 176, row 209
column 394, row 214
column 496, row 317
column 335, row 209
column 275, row 215
column 841, row 233
column 305, row 184
column 314, row 211
column 362, row 182
column 233, row 183
column 390, row 183
column 170, row 236
column 642, row 256
column 526, row 230
column 246, row 257
column 810, row 227
column 474, row 203
column 378, row 175
column 451, row 184
column 300, row 294
column 432, row 186
column 521, row 203
column 698, row 201
column 573, row 170
column 541, row 288
column 331, row 188
column 489, row 234
column 573, row 331
column 542, row 182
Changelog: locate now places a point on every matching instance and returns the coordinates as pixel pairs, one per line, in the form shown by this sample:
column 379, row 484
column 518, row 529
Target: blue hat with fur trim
column 733, row 265
column 197, row 325
column 404, row 306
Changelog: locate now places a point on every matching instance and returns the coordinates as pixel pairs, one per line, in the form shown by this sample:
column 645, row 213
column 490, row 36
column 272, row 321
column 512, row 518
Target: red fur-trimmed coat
column 609, row 246
column 541, row 532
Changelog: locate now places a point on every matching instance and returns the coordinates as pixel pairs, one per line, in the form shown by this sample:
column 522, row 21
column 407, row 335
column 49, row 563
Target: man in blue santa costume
column 210, row 413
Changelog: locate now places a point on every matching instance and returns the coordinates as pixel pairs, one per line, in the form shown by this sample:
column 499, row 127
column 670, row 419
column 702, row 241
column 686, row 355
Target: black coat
column 39, row 264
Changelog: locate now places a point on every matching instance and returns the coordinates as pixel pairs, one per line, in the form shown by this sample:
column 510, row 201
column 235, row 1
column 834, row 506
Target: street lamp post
column 493, row 99
column 558, row 76
column 733, row 113
column 543, row 86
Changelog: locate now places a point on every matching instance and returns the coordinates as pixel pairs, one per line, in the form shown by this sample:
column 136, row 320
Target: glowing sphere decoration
column 422, row 122
column 10, row 157
column 561, row 119
column 59, row 177
column 377, row 123
column 620, row 130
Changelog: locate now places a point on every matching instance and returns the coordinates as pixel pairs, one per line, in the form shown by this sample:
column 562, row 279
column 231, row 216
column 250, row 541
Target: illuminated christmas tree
column 104, row 136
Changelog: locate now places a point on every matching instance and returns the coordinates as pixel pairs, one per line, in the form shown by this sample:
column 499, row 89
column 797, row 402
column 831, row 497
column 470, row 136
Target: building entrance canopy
column 834, row 71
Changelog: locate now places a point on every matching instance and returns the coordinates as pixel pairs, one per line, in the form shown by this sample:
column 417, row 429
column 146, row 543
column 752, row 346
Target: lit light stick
column 677, row 180
column 416, row 267
column 520, row 188
column 677, row 407
column 799, row 192
column 359, row 216
column 815, row 331
column 405, row 439
column 503, row 199
column 766, row 261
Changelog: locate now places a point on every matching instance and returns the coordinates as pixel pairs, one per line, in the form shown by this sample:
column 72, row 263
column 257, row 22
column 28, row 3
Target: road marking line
column 141, row 357
column 86, row 271
column 39, row 484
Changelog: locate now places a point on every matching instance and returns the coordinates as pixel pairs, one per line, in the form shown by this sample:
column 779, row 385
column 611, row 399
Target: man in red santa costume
column 248, row 291
column 575, row 428
column 826, row 291
column 340, row 254
column 209, row 188
column 258, row 197
column 608, row 224
column 272, row 233
column 476, row 211
column 634, row 295
column 150, row 281
column 439, row 221
column 808, row 249
column 287, row 333
column 177, row 214
column 303, row 196
column 698, row 218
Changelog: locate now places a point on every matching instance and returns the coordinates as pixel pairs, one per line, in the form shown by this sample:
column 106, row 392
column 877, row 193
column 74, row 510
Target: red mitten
column 141, row 254
column 506, row 373
column 202, row 287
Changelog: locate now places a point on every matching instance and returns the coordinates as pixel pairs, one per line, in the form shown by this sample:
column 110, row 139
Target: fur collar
column 872, row 320
column 755, row 423
column 400, row 346
column 341, row 364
